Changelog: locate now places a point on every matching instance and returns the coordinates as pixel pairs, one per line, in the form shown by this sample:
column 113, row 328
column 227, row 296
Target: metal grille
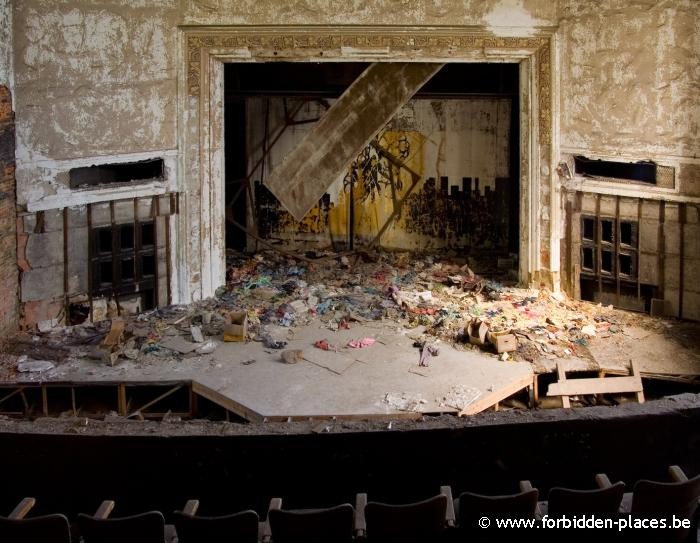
column 609, row 247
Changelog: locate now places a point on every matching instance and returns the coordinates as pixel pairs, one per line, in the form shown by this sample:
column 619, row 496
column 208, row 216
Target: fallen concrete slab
column 301, row 179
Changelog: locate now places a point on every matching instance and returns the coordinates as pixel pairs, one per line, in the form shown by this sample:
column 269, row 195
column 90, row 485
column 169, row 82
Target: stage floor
column 384, row 379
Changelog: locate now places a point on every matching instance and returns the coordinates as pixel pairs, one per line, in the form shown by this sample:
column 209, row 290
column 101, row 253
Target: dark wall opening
column 106, row 174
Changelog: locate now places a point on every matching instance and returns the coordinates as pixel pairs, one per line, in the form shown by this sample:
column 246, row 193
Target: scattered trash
column 178, row 344
column 477, row 330
column 274, row 343
column 236, row 326
column 292, row 356
column 361, row 343
column 323, row 344
column 401, row 401
column 27, row 365
column 207, row 347
column 197, row 335
column 459, row 397
column 426, row 351
column 588, row 330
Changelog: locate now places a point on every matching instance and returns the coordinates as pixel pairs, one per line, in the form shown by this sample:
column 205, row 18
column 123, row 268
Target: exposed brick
column 9, row 276
column 6, row 114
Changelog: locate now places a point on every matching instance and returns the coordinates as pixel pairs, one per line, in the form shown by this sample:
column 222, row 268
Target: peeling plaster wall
column 630, row 74
column 94, row 78
column 501, row 16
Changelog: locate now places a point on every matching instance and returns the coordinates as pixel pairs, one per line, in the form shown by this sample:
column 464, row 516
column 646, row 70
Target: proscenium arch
column 200, row 249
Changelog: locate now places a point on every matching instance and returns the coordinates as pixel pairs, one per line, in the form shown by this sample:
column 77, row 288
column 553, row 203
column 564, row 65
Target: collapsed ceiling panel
column 335, row 140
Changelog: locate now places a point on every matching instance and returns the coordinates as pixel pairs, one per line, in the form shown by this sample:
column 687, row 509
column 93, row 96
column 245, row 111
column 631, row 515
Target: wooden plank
column 13, row 393
column 561, row 375
column 608, row 385
column 635, row 372
column 44, row 401
column 156, row 400
column 491, row 398
column 121, row 399
column 327, row 150
column 226, row 402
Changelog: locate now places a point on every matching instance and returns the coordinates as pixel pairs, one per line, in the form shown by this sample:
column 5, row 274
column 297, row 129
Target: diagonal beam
column 327, row 151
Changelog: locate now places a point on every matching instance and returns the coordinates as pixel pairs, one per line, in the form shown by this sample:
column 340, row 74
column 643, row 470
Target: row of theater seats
column 439, row 518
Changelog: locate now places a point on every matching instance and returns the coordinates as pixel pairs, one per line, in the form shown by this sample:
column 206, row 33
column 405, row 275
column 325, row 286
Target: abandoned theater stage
column 383, row 380
column 155, row 365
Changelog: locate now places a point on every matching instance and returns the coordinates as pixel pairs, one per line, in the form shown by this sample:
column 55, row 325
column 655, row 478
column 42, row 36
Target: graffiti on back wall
column 444, row 212
column 462, row 216
column 372, row 173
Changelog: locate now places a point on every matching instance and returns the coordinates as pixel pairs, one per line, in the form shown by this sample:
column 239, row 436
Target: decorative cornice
column 435, row 43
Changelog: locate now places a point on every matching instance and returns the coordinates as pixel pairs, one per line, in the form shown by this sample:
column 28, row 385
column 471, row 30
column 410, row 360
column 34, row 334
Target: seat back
column 679, row 499
column 312, row 525
column 48, row 528
column 600, row 500
column 474, row 506
column 240, row 527
column 421, row 521
column 142, row 528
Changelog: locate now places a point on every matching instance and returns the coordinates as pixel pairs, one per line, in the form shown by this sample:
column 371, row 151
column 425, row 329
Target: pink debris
column 360, row 343
column 323, row 344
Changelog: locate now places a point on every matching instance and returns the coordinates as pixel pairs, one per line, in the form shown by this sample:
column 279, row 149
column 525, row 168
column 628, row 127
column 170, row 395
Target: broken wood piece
column 492, row 397
column 600, row 385
column 326, row 151
column 561, row 375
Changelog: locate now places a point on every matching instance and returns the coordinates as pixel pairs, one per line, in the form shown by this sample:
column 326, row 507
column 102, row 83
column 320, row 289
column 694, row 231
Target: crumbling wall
column 94, row 79
column 458, row 148
column 95, row 83
column 629, row 74
column 57, row 253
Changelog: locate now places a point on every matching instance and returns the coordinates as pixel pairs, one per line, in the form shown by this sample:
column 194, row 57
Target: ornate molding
column 439, row 44
column 267, row 43
column 544, row 88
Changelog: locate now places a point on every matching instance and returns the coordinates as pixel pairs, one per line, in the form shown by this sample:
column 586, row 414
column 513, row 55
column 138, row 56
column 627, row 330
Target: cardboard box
column 236, row 326
column 504, row 342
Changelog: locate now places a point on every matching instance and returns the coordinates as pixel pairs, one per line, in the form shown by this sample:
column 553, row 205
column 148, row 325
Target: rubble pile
column 271, row 291
column 447, row 299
